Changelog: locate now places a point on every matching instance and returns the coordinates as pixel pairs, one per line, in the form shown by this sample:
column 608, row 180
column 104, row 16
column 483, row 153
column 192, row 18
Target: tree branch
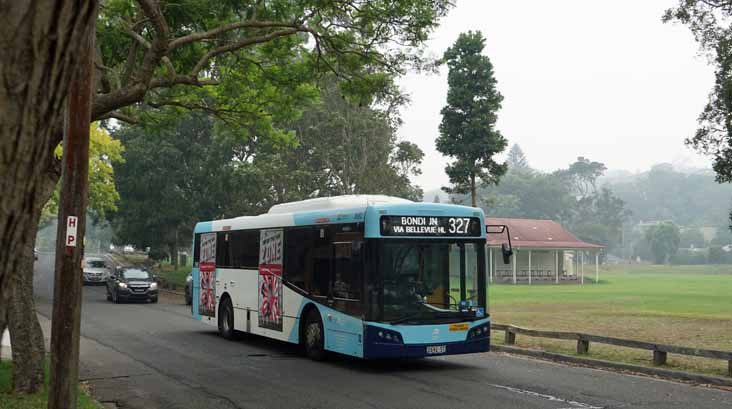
column 119, row 116
column 244, row 43
column 159, row 45
column 190, row 38
column 140, row 39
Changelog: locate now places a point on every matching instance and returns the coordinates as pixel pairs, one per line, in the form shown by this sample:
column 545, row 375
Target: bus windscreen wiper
column 405, row 319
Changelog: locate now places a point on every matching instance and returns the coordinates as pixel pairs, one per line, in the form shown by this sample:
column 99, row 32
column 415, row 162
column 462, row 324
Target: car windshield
column 422, row 280
column 96, row 264
column 134, row 273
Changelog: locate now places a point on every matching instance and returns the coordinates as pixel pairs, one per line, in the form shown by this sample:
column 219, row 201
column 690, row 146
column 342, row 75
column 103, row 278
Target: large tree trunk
column 38, row 41
column 26, row 335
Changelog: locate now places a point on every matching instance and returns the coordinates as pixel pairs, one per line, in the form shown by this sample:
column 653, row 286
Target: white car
column 128, row 249
column 96, row 270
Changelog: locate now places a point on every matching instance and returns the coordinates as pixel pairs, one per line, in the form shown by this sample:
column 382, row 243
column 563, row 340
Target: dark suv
column 132, row 284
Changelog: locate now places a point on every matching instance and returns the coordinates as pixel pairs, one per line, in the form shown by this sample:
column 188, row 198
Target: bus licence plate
column 436, row 349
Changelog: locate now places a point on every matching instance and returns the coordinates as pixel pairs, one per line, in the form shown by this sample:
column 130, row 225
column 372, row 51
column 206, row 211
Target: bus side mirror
column 507, row 253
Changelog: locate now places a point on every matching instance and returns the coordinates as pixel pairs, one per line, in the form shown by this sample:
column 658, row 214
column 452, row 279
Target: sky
column 604, row 80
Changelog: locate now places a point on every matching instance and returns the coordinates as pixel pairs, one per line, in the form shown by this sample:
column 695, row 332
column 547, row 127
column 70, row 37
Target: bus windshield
column 430, row 280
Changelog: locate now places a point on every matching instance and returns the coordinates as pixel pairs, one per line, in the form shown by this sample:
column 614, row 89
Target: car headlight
column 153, row 286
column 189, row 278
column 122, row 285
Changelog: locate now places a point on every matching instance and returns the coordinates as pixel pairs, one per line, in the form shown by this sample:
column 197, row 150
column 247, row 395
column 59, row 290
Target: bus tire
column 314, row 336
column 226, row 319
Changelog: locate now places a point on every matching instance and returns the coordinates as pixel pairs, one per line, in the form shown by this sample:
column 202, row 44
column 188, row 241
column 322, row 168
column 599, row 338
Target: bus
column 369, row 276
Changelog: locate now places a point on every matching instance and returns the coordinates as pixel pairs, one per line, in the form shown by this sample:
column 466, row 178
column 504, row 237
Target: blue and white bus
column 364, row 275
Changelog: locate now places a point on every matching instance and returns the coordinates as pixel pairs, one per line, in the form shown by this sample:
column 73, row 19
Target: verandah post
column 529, row 267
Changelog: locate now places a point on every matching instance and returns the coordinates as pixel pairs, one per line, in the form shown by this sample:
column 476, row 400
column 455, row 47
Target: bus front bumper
column 375, row 347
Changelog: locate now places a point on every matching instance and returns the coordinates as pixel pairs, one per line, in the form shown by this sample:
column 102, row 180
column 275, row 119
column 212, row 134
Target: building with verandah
column 544, row 252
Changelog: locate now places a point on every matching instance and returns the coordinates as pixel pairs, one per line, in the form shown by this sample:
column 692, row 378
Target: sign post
column 66, row 320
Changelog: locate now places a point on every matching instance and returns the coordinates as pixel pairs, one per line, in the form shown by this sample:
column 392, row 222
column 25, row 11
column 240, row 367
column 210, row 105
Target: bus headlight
column 389, row 336
column 480, row 332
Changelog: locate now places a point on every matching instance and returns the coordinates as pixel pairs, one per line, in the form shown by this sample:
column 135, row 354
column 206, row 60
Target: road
column 157, row 356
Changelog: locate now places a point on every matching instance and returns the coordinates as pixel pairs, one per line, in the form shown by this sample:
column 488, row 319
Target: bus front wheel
column 314, row 337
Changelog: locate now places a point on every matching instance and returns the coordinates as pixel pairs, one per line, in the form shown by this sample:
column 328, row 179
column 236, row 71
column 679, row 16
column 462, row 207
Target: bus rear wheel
column 314, row 337
column 226, row 319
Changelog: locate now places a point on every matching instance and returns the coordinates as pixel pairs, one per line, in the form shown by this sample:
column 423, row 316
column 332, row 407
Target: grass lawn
column 35, row 401
column 679, row 305
column 174, row 279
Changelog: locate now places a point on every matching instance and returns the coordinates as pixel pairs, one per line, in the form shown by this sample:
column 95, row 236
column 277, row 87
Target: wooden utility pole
column 66, row 321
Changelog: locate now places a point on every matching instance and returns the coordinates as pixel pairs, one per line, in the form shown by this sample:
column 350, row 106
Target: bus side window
column 347, row 272
column 244, row 245
column 318, row 261
column 223, row 252
column 298, row 245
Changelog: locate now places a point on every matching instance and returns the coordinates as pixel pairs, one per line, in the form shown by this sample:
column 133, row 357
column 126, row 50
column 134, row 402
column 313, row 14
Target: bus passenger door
column 344, row 330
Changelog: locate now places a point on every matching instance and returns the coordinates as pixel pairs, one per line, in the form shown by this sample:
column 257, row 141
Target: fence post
column 583, row 346
column 510, row 337
column 659, row 358
column 729, row 367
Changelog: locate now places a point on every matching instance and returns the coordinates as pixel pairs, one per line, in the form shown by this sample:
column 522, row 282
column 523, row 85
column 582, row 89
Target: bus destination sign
column 430, row 226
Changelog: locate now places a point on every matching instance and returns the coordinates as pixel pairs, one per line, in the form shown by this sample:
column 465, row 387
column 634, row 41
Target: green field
column 35, row 401
column 680, row 305
column 171, row 278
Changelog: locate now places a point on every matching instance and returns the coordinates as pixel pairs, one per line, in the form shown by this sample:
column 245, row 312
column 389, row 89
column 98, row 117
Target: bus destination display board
column 430, row 226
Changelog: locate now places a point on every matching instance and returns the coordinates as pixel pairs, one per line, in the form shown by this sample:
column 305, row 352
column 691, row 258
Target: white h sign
column 71, row 231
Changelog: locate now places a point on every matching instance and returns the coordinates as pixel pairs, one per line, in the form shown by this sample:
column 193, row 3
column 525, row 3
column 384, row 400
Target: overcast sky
column 604, row 80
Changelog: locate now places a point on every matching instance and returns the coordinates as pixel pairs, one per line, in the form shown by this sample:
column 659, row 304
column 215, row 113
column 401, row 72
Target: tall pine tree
column 468, row 131
column 516, row 160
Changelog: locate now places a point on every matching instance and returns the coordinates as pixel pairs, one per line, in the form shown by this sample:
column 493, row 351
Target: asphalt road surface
column 157, row 356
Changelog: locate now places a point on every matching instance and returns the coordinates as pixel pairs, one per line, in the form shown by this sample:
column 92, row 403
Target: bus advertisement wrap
column 207, row 268
column 270, row 279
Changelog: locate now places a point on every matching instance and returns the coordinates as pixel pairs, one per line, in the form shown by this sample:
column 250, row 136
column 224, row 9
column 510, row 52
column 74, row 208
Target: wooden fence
column 660, row 351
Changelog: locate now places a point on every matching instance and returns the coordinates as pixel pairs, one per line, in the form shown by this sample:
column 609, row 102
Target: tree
column 341, row 147
column 664, row 193
column 583, row 176
column 104, row 152
column 200, row 55
column 37, row 58
column 599, row 218
column 691, row 238
column 187, row 175
column 468, row 131
column 516, row 160
column 710, row 23
column 663, row 240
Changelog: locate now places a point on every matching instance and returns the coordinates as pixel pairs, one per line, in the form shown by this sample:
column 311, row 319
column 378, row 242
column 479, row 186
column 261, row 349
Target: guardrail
column 660, row 351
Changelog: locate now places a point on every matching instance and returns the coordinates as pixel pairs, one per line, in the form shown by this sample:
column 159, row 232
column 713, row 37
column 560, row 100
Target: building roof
column 536, row 234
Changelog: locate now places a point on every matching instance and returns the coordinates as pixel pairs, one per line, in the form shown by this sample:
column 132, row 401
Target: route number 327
column 458, row 225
